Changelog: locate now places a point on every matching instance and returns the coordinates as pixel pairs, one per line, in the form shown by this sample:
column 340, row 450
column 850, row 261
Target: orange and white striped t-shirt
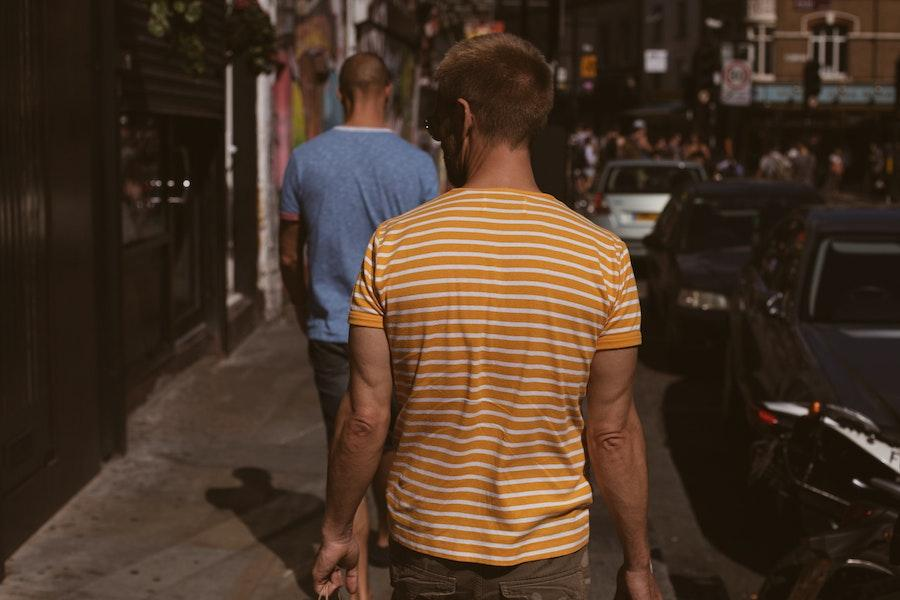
column 494, row 303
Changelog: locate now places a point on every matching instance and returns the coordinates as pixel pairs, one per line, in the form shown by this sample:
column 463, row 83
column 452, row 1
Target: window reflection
column 142, row 186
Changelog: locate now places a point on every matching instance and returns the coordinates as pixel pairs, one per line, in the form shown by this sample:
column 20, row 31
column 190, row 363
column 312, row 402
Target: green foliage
column 249, row 33
column 180, row 23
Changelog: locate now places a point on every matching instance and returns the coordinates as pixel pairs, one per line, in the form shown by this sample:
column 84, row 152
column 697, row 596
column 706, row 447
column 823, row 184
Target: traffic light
column 706, row 64
column 812, row 82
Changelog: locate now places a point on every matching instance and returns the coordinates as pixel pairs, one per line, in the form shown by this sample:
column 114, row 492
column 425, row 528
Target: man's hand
column 294, row 269
column 302, row 312
column 333, row 556
column 638, row 584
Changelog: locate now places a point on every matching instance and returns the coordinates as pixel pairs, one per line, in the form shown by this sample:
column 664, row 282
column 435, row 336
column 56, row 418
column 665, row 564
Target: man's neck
column 369, row 115
column 503, row 167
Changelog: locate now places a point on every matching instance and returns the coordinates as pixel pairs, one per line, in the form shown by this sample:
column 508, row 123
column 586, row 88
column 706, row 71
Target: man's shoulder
column 411, row 217
column 311, row 146
column 409, row 151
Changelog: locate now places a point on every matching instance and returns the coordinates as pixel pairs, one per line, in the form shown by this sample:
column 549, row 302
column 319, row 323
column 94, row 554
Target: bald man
column 338, row 187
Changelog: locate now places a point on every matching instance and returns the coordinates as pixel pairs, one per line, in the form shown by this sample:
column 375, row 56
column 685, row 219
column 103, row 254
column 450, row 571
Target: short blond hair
column 506, row 81
column 363, row 73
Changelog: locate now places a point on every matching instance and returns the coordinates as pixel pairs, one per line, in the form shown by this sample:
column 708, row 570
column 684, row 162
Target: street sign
column 761, row 11
column 737, row 82
column 656, row 61
column 587, row 66
column 810, row 4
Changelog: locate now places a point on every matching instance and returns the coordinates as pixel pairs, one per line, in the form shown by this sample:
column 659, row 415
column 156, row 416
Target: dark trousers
column 417, row 576
column 331, row 370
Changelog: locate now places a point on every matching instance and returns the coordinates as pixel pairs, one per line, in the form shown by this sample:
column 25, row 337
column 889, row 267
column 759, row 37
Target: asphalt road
column 717, row 539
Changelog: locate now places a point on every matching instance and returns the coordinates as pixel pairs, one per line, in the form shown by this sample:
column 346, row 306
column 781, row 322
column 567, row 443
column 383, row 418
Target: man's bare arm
column 618, row 460
column 355, row 456
column 357, row 447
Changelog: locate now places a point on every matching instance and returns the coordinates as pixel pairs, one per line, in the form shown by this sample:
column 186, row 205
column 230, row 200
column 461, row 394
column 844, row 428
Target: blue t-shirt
column 341, row 185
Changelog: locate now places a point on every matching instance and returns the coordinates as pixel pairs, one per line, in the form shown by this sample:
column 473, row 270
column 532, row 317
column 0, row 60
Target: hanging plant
column 180, row 22
column 249, row 33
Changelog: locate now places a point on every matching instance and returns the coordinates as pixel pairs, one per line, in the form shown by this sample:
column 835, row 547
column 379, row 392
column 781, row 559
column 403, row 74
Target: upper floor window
column 626, row 39
column 657, row 23
column 681, row 23
column 828, row 46
column 760, row 51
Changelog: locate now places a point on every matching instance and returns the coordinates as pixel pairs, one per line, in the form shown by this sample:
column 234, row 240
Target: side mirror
column 775, row 305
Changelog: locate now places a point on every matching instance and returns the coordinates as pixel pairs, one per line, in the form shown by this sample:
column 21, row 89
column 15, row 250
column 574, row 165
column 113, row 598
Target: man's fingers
column 352, row 581
column 323, row 576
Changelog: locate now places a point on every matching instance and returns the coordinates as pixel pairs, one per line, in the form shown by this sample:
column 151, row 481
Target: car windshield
column 649, row 179
column 713, row 225
column 856, row 282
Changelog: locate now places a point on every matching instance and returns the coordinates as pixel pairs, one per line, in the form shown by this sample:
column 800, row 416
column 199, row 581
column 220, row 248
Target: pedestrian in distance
column 338, row 187
column 490, row 312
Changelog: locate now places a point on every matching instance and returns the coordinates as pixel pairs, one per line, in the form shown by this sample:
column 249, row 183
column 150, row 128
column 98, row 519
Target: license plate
column 645, row 216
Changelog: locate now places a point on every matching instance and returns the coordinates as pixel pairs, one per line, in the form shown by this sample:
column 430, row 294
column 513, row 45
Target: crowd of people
column 806, row 161
column 589, row 152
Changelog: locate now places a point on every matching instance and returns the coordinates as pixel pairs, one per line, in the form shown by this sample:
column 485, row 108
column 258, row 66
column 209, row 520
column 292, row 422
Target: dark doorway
column 49, row 421
column 168, row 183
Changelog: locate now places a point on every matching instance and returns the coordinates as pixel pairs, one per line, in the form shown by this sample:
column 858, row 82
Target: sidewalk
column 219, row 497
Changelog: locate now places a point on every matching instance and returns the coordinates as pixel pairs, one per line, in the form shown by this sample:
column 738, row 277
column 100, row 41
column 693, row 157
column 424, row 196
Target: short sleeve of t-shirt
column 366, row 309
column 290, row 191
column 623, row 323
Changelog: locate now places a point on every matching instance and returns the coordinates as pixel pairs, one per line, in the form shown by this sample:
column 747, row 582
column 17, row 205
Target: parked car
column 700, row 243
column 816, row 318
column 630, row 195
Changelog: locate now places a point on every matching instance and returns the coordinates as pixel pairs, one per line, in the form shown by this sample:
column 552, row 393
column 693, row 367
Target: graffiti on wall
column 391, row 33
column 312, row 47
column 315, row 54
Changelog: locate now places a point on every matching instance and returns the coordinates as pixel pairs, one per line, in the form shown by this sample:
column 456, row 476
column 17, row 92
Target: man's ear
column 469, row 118
column 346, row 103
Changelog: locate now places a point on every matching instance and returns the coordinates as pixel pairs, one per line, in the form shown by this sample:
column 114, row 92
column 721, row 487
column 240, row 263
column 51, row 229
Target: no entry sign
column 737, row 81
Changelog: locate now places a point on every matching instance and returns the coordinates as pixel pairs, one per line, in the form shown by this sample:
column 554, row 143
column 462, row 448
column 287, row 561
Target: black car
column 700, row 243
column 815, row 321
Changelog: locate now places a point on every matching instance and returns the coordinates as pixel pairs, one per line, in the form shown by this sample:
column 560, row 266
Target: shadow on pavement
column 699, row 588
column 744, row 523
column 286, row 522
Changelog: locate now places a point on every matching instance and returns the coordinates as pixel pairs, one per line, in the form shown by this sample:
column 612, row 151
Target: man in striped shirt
column 491, row 311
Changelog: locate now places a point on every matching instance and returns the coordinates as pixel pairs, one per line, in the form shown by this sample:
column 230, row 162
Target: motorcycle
column 823, row 462
column 860, row 560
column 843, row 473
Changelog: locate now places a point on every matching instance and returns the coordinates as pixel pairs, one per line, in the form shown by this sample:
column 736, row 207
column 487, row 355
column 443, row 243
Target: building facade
column 856, row 45
column 136, row 232
column 674, row 28
column 855, row 42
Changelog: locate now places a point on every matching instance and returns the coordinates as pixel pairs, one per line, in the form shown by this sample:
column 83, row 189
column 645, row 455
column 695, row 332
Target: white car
column 631, row 193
